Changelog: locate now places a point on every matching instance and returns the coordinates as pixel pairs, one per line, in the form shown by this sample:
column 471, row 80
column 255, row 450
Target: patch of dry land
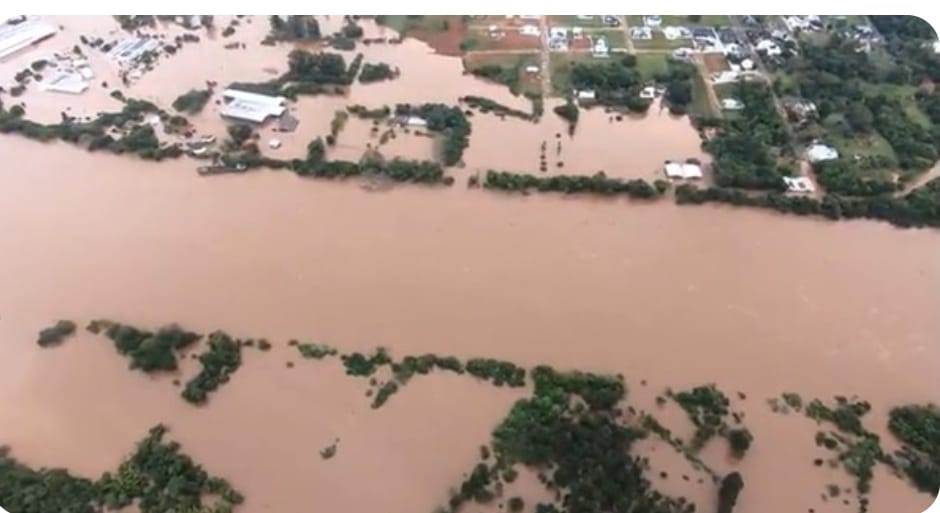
column 265, row 342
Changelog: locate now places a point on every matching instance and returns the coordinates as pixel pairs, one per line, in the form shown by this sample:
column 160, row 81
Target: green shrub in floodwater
column 55, row 334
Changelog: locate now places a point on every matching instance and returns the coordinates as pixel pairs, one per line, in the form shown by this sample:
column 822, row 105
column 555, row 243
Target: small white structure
column 586, row 95
column 936, row 46
column 818, row 152
column 274, row 144
column 415, row 121
column 641, row 33
column 652, row 21
column 648, row 93
column 731, row 104
column 529, row 30
column 600, row 49
column 252, row 107
column 673, row 33
column 577, row 32
column 747, row 64
column 64, row 82
column 14, row 38
column 683, row 53
column 799, row 184
column 769, row 47
column 532, row 69
column 683, row 171
column 558, row 33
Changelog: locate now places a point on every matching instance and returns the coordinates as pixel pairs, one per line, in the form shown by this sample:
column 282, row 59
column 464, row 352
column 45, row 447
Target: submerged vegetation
column 708, row 408
column 55, row 334
column 487, row 105
column 218, row 363
column 157, row 477
column 193, row 101
column 918, row 428
column 449, row 121
column 599, row 183
column 147, row 351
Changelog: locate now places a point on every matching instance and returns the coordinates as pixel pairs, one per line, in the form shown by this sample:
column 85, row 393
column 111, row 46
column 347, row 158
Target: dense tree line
column 294, row 28
column 193, row 101
column 845, row 177
column 599, row 183
column 918, row 428
column 158, row 477
column 569, row 112
column 746, row 148
column 909, row 41
column 55, row 334
column 447, row 120
column 363, row 112
column 920, row 207
column 320, row 68
column 219, row 362
column 93, row 135
column 148, row 351
column 487, row 105
column 376, row 72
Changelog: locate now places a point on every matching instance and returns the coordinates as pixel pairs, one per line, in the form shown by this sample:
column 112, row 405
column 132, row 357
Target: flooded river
column 753, row 301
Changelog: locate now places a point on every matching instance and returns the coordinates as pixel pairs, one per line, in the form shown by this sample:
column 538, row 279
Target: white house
column 673, row 33
column 686, row 170
column 586, row 94
column 799, row 184
column 769, row 47
column 252, row 107
column 818, row 152
column 600, row 48
column 529, row 30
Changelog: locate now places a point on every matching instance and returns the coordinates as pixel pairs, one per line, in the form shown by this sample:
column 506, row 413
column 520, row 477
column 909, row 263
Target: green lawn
column 650, row 64
column 659, row 42
column 701, row 107
column 615, row 37
column 513, row 64
column 574, row 21
column 403, row 24
column 725, row 90
column 709, row 20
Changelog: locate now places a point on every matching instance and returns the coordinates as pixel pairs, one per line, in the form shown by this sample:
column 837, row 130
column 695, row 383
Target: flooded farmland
column 671, row 297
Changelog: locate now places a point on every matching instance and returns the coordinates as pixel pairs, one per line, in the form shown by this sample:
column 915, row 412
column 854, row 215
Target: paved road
column 545, row 58
column 626, row 32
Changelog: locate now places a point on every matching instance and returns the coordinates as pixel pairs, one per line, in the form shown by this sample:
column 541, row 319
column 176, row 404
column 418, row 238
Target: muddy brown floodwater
column 753, row 301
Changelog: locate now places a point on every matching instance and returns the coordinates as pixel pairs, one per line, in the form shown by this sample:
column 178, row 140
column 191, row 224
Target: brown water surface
column 753, row 301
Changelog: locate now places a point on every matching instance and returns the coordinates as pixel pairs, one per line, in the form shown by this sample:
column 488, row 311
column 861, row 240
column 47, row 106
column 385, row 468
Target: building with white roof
column 818, row 152
column 16, row 37
column 731, row 104
column 799, row 184
column 599, row 49
column 679, row 170
column 252, row 107
column 769, row 46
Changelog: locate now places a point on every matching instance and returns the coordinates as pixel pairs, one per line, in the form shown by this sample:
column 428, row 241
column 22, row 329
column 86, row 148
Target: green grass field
column 403, row 24
column 721, row 20
column 904, row 94
column 701, row 106
column 650, row 64
column 574, row 21
column 659, row 42
column 615, row 37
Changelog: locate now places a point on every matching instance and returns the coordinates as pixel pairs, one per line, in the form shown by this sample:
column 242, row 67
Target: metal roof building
column 251, row 107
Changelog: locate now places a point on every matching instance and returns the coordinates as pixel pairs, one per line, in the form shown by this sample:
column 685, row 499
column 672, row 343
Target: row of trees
column 192, row 101
column 917, row 426
column 598, row 183
column 920, row 207
column 139, row 139
column 487, row 105
column 377, row 72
